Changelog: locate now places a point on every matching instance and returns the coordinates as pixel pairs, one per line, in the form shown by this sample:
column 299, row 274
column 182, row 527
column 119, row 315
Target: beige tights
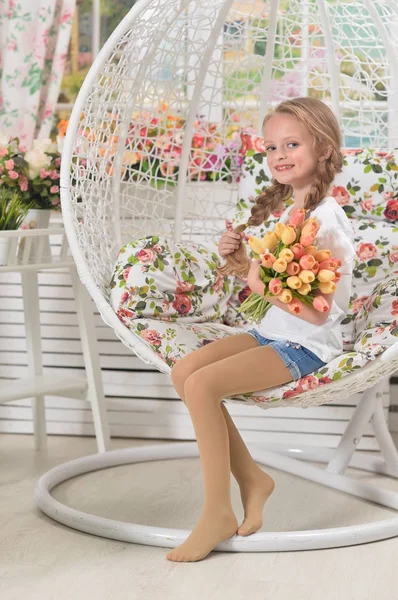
column 220, row 370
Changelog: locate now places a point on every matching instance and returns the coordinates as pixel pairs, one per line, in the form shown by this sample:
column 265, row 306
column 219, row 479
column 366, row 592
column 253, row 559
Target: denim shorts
column 297, row 359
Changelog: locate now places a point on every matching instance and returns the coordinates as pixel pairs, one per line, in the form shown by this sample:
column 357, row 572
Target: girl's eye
column 294, row 144
column 270, row 148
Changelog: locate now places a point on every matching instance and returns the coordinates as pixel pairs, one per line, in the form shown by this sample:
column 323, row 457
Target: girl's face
column 291, row 153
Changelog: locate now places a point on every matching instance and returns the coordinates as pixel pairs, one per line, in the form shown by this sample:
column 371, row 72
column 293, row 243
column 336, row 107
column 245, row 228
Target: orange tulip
column 307, row 261
column 310, row 250
column 298, row 251
column 295, row 306
column 297, row 217
column 322, row 255
column 267, row 260
column 275, row 286
column 293, row 268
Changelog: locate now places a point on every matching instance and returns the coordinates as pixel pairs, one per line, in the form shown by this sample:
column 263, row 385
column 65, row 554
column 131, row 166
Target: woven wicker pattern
column 153, row 142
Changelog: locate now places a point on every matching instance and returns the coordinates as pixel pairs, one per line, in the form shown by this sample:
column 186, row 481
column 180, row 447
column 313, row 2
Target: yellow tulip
column 310, row 250
column 306, row 276
column 327, row 287
column 304, row 289
column 285, row 296
column 257, row 245
column 294, row 282
column 325, row 275
column 280, row 265
column 287, row 254
column 279, row 229
column 322, row 255
column 288, row 236
column 270, row 240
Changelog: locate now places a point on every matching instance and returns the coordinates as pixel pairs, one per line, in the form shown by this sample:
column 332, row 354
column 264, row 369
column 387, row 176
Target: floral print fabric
column 170, row 281
column 35, row 37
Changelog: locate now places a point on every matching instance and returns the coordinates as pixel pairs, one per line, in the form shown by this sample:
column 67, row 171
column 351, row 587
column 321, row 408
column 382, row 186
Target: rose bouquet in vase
column 292, row 268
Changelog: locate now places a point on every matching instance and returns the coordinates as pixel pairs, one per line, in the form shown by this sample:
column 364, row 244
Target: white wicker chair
column 116, row 185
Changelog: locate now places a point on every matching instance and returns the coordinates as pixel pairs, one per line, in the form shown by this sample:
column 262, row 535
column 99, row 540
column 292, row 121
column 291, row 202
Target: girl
column 302, row 140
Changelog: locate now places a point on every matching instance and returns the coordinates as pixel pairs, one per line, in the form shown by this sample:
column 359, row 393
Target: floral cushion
column 376, row 324
column 156, row 277
column 172, row 341
column 365, row 190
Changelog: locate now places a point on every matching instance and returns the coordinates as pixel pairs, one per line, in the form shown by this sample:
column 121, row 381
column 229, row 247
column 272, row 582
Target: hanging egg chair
column 153, row 147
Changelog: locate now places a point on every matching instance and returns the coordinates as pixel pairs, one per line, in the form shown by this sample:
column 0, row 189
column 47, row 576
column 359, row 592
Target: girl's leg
column 255, row 485
column 204, row 391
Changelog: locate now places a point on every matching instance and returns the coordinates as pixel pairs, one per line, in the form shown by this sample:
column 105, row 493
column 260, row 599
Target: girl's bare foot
column 254, row 494
column 210, row 531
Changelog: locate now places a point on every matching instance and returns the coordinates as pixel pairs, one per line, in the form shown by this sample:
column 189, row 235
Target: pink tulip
column 293, row 268
column 307, row 261
column 297, row 218
column 298, row 251
column 307, row 239
column 331, row 264
column 337, row 277
column 315, row 268
column 268, row 260
column 295, row 306
column 275, row 286
column 320, row 304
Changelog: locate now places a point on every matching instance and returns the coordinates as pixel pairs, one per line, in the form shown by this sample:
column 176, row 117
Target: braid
column 266, row 203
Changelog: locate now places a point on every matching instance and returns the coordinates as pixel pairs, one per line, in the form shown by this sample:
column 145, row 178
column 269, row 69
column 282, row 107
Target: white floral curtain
column 34, row 40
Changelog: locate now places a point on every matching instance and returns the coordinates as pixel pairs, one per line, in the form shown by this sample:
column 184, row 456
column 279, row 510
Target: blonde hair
column 323, row 126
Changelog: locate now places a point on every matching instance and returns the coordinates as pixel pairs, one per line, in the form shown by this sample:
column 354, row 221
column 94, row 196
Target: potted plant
column 13, row 210
column 42, row 170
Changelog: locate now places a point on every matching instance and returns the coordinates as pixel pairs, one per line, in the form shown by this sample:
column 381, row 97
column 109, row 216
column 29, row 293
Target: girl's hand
column 229, row 242
column 253, row 278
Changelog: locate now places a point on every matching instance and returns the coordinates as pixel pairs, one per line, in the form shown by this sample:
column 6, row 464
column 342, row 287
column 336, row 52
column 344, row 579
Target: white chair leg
column 95, row 391
column 371, row 398
column 384, row 439
column 33, row 345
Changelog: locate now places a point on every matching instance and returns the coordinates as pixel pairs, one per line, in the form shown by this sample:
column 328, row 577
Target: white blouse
column 325, row 341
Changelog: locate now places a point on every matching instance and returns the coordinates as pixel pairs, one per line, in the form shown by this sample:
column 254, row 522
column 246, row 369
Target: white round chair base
column 258, row 542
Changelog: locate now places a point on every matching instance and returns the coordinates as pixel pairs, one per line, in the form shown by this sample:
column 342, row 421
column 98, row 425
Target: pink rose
column 309, row 382
column 9, row 164
column 3, row 152
column 57, row 162
column 391, row 210
column 126, row 273
column 393, row 257
column 184, row 286
column 258, row 144
column 124, row 297
column 54, row 175
column 44, row 173
column 366, row 251
column 351, row 151
column 277, row 213
column 323, row 380
column 157, row 248
column 341, row 195
column 381, row 153
column 182, row 304
column 151, row 336
column 357, row 304
column 218, row 285
column 388, row 195
column 146, row 255
column 13, row 174
column 379, row 330
column 24, row 185
column 291, row 393
column 367, row 205
column 394, row 311
column 54, row 189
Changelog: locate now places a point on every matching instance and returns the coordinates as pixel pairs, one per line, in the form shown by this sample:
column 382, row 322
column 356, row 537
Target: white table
column 28, row 252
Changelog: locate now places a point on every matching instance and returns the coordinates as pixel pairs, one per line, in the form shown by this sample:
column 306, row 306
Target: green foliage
column 13, row 210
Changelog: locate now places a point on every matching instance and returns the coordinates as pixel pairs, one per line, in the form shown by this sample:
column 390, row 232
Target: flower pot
column 40, row 250
column 4, row 244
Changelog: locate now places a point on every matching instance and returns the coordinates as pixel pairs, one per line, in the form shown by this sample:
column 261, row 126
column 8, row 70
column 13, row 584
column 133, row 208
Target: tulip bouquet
column 292, row 268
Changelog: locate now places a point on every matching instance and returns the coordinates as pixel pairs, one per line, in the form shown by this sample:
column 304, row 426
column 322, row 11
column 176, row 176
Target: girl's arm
column 309, row 314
